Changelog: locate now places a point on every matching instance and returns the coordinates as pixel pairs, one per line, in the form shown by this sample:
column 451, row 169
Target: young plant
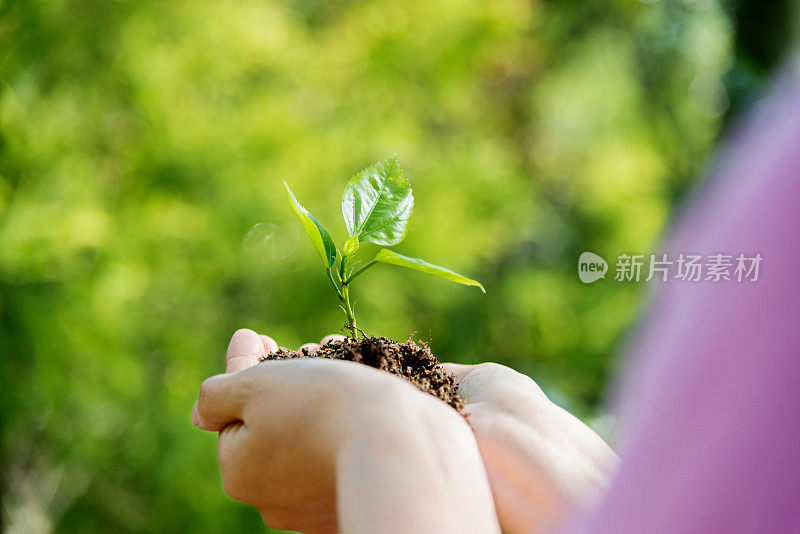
column 376, row 205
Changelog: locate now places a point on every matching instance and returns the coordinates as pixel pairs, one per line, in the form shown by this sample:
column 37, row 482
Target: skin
column 542, row 462
column 325, row 446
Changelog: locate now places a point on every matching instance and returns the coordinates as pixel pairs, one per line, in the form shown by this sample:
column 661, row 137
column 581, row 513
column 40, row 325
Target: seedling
column 376, row 205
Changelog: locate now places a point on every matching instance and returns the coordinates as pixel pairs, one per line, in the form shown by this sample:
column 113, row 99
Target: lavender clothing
column 713, row 396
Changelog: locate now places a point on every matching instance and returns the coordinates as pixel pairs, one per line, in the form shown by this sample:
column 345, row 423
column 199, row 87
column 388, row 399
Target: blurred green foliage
column 143, row 220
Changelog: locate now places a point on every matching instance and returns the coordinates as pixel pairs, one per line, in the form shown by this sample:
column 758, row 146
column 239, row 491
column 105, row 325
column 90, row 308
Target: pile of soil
column 410, row 360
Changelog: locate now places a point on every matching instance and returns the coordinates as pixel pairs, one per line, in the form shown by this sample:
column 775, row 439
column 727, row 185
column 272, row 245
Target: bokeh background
column 143, row 219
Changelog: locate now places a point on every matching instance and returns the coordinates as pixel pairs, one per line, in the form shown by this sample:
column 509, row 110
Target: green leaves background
column 141, row 141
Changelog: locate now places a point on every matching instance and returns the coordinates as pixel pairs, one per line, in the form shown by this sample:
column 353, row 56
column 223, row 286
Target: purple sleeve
column 713, row 395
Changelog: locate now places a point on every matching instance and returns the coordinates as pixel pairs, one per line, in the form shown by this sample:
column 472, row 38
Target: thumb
column 463, row 376
column 489, row 381
column 459, row 371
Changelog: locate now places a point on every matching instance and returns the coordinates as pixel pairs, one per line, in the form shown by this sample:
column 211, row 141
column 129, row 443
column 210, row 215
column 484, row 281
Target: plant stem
column 359, row 271
column 344, row 296
column 342, row 266
column 348, row 309
column 333, row 282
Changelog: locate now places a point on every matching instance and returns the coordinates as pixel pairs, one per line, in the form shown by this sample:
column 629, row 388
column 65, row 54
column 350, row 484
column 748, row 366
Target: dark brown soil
column 410, row 360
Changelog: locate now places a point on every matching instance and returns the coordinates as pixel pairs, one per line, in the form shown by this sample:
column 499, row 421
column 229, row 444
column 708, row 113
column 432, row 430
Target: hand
column 541, row 460
column 322, row 445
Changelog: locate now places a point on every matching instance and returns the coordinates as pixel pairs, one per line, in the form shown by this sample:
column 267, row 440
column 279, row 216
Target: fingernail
column 195, row 417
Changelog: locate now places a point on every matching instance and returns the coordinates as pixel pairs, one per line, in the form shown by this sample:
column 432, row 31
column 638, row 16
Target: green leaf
column 350, row 246
column 319, row 235
column 393, row 258
column 377, row 204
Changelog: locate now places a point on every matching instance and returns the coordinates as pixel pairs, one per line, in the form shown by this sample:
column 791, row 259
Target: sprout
column 376, row 205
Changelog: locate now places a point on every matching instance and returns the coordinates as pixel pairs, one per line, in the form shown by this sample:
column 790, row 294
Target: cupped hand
column 541, row 460
column 321, row 445
column 275, row 440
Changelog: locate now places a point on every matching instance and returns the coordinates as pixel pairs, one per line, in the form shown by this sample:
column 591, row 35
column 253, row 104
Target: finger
column 244, row 350
column 489, row 380
column 269, row 344
column 220, row 403
column 458, row 370
column 331, row 337
column 310, row 347
column 235, row 454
